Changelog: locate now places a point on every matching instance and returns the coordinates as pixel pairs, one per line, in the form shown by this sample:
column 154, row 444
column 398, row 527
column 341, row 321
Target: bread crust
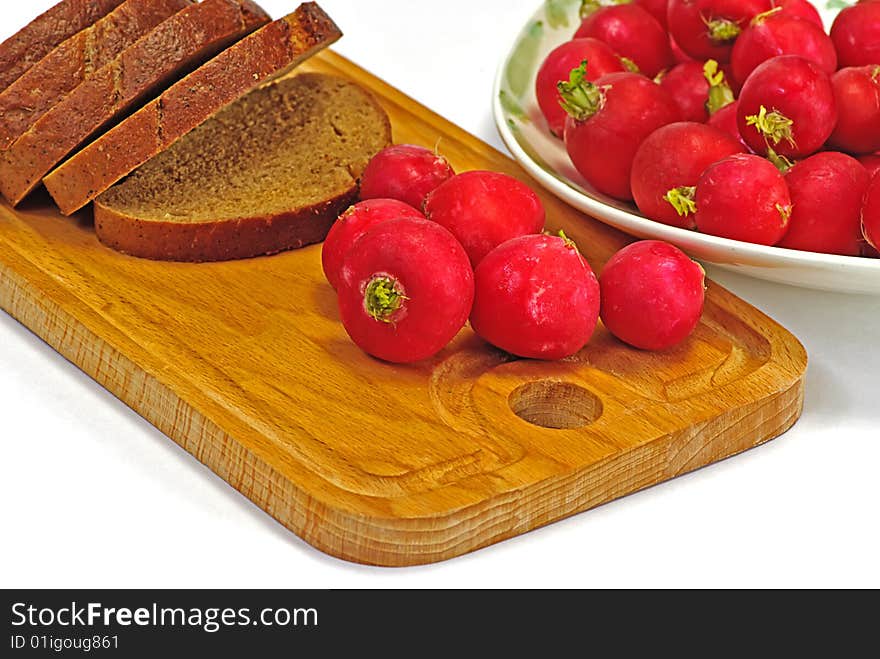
column 187, row 38
column 268, row 53
column 36, row 39
column 75, row 60
column 219, row 241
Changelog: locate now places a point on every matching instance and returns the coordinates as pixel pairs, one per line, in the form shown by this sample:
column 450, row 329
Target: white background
column 93, row 496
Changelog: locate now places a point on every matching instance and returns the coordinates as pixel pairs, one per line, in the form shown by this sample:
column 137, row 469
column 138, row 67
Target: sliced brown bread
column 269, row 173
column 173, row 48
column 34, row 41
column 268, row 53
column 48, row 81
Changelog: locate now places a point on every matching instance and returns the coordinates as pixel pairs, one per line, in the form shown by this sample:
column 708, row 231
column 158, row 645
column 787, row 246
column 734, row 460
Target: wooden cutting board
column 247, row 367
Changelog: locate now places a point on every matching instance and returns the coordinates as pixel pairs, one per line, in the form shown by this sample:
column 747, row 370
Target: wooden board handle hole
column 555, row 405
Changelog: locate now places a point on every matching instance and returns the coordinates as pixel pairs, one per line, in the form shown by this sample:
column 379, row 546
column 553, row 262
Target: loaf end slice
column 35, row 40
column 269, row 173
column 267, row 54
column 76, row 59
column 170, row 50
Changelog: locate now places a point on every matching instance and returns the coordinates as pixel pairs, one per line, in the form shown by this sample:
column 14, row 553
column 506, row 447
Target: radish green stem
column 784, row 213
column 773, row 126
column 720, row 93
column 580, row 97
column 568, row 241
column 722, row 30
column 782, row 163
column 682, row 200
column 383, row 298
column 629, row 65
column 760, row 18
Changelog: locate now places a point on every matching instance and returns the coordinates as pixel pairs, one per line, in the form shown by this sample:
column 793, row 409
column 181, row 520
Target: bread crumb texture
column 286, row 146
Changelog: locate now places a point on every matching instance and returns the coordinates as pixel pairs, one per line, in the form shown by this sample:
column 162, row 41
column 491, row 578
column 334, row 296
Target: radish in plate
column 688, row 87
column 857, row 96
column 633, row 34
column 743, row 197
column 787, row 108
column 599, row 59
column 707, row 29
column 669, row 163
column 775, row 33
column 802, row 9
column 871, row 213
column 607, row 122
column 871, row 162
column 826, row 194
column 856, row 34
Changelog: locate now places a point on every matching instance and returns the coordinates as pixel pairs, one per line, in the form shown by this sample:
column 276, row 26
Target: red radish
column 657, row 9
column 856, row 35
column 725, row 120
column 802, row 9
column 707, row 29
column 668, row 164
column 536, row 297
column 611, row 117
column 633, row 34
column 871, row 162
column 406, row 290
column 354, row 223
column 557, row 68
column 775, row 33
column 743, row 197
column 699, row 89
column 688, row 87
column 678, row 54
column 485, row 209
column 857, row 96
column 826, row 193
column 871, row 213
column 652, row 295
column 869, row 252
column 787, row 105
column 406, row 173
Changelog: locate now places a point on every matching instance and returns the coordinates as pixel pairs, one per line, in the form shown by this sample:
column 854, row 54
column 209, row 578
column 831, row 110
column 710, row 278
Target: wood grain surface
column 246, row 365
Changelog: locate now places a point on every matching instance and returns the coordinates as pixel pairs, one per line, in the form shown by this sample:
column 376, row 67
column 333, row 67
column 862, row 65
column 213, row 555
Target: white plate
column 523, row 129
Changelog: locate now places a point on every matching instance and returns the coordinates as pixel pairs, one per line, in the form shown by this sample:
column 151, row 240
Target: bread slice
column 269, row 173
column 174, row 47
column 267, row 54
column 34, row 41
column 47, row 82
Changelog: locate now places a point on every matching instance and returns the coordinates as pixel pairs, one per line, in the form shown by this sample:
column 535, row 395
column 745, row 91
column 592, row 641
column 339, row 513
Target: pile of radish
column 737, row 118
column 426, row 250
